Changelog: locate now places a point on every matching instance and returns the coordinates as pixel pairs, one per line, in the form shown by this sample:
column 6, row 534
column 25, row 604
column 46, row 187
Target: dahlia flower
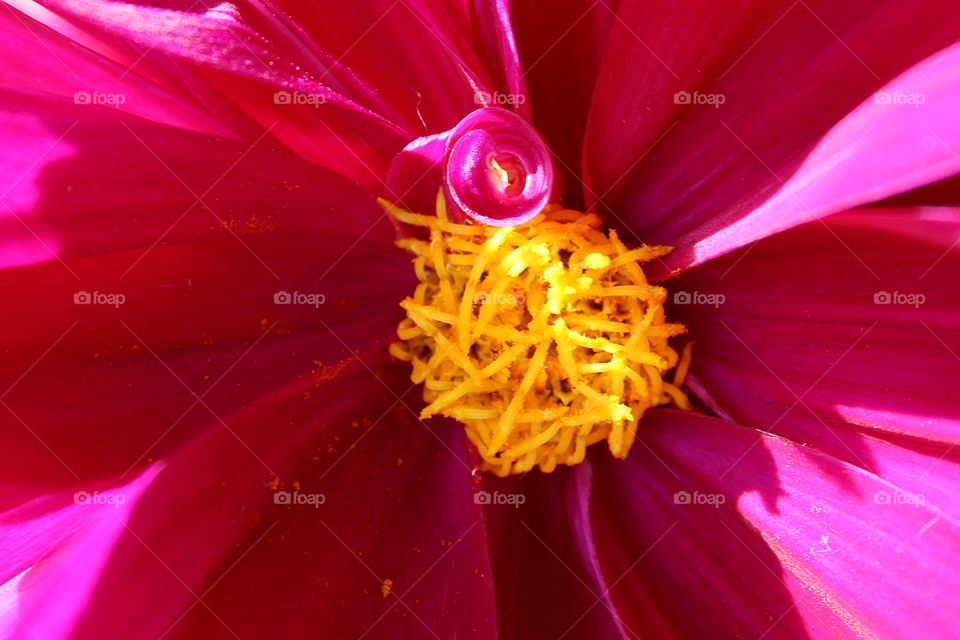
column 612, row 319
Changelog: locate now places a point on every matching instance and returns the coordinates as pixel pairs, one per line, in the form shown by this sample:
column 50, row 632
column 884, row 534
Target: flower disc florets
column 541, row 339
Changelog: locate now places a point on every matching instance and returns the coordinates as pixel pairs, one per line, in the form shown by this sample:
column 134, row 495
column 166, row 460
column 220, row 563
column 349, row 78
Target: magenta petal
column 737, row 533
column 497, row 169
column 49, row 63
column 111, row 205
column 415, row 175
column 380, row 529
column 430, row 60
column 493, row 166
column 561, row 45
column 240, row 76
column 843, row 337
column 547, row 577
column 881, row 149
column 189, row 343
column 53, row 551
column 85, row 181
column 944, row 193
column 714, row 125
column 499, row 44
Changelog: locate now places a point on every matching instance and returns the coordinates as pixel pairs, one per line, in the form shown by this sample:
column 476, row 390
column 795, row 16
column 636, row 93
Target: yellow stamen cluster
column 541, row 339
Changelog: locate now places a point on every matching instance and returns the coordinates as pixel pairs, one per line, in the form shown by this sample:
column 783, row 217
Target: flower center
column 509, row 175
column 516, row 161
column 541, row 338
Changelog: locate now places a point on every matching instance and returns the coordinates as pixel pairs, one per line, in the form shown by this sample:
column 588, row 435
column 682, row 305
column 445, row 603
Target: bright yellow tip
column 541, row 339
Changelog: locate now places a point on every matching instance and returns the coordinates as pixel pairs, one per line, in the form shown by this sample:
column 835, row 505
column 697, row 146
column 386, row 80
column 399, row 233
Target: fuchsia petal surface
column 790, row 553
column 428, row 59
column 493, row 166
column 756, row 116
column 498, row 48
column 58, row 546
column 318, row 79
column 97, row 203
column 395, row 505
column 485, row 144
column 547, row 583
column 561, row 45
column 944, row 192
column 242, row 78
column 52, row 65
column 842, row 335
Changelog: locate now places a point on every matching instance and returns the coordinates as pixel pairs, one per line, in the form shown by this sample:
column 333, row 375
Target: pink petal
column 78, row 206
column 110, row 206
column 54, row 65
column 561, row 45
column 60, row 544
column 498, row 43
column 439, row 53
column 737, row 533
column 318, row 80
column 397, row 504
column 192, row 341
column 843, row 337
column 798, row 134
column 467, row 162
column 547, row 579
column 942, row 193
column 240, row 76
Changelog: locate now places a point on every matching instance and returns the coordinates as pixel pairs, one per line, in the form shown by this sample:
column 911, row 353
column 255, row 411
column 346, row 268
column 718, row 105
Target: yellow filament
column 542, row 339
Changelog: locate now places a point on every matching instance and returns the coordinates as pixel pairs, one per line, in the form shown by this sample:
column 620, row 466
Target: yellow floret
column 541, row 339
